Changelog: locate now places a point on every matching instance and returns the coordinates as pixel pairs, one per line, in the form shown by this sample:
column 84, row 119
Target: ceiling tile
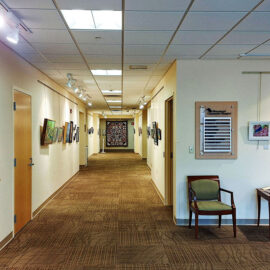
column 39, row 4
column 103, row 59
column 64, row 58
column 101, row 49
column 104, row 37
column 152, row 20
column 40, row 18
column 56, row 48
column 180, row 50
column 223, row 50
column 221, row 5
column 90, row 4
column 264, row 49
column 144, row 49
column 244, row 37
column 34, row 58
column 147, row 37
column 197, row 37
column 157, row 5
column 206, row 21
column 141, row 59
column 47, row 36
column 256, row 21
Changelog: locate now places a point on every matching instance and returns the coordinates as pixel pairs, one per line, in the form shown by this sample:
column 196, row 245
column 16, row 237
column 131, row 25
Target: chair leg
column 234, row 222
column 190, row 219
column 196, row 225
column 219, row 221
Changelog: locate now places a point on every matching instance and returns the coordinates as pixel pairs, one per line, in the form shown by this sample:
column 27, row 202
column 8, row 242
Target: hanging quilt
column 116, row 133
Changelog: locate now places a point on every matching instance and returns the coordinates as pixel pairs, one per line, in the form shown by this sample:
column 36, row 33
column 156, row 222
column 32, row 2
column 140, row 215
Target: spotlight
column 90, row 104
column 76, row 90
column 141, row 106
column 80, row 95
column 84, row 98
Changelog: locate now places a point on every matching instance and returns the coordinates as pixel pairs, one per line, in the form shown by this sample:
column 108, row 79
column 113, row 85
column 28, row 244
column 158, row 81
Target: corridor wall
column 93, row 120
column 54, row 164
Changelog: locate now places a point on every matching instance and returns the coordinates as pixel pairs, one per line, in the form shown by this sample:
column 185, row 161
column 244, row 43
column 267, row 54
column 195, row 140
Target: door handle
column 31, row 163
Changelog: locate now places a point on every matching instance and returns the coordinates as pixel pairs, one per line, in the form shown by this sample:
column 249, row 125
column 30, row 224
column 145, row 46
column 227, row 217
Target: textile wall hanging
column 116, row 133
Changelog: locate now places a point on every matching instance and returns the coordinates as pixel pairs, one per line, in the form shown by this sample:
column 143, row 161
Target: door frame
column 167, row 153
column 26, row 92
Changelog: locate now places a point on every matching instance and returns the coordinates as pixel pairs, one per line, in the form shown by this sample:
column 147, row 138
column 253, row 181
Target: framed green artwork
column 47, row 135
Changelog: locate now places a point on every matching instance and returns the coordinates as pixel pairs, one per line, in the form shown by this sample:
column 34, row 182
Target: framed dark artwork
column 152, row 133
column 77, row 134
column 116, row 133
column 65, row 131
column 47, row 134
column 134, row 131
column 55, row 135
column 92, row 130
column 68, row 132
column 154, row 125
column 140, row 131
column 71, row 132
column 60, row 134
column 148, row 132
column 159, row 134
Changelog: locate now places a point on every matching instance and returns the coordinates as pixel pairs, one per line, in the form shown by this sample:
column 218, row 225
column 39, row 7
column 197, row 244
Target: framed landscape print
column 47, row 132
column 116, row 133
column 259, row 130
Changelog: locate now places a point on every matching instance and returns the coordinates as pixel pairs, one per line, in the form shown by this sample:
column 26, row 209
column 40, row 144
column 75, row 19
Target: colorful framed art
column 47, row 135
column 259, row 131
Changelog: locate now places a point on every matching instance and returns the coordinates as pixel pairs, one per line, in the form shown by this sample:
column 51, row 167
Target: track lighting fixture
column 141, row 106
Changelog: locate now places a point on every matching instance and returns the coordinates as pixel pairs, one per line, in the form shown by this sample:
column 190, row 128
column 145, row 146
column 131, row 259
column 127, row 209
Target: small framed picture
column 259, row 130
column 159, row 134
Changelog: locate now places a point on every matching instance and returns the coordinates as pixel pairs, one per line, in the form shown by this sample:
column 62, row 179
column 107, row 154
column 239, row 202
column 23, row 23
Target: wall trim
column 40, row 208
column 214, row 222
column 158, row 192
column 6, row 240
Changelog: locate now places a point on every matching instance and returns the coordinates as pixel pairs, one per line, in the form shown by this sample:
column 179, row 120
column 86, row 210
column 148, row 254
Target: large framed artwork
column 155, row 135
column 116, row 133
column 47, row 132
column 259, row 131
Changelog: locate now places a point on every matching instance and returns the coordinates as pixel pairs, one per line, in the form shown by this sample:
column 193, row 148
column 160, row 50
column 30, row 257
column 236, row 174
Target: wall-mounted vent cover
column 217, row 135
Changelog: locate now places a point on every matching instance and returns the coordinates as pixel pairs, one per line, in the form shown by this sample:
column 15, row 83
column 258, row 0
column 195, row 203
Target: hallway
column 110, row 217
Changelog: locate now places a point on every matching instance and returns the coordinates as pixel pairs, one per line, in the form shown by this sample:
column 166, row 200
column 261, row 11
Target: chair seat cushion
column 212, row 206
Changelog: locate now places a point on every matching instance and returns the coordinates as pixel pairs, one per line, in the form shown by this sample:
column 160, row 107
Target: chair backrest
column 205, row 186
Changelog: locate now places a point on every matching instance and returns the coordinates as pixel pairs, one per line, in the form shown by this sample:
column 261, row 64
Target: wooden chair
column 204, row 199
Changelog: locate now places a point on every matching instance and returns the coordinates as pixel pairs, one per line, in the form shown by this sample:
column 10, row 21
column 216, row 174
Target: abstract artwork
column 159, row 133
column 71, row 132
column 68, row 132
column 55, row 134
column 155, row 135
column 47, row 132
column 116, row 133
column 259, row 131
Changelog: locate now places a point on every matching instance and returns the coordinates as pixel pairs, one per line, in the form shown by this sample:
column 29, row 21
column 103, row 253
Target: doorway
column 22, row 160
column 169, row 151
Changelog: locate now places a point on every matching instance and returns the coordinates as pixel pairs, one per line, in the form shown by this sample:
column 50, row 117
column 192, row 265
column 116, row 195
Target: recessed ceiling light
column 111, row 92
column 93, row 19
column 103, row 72
column 113, row 101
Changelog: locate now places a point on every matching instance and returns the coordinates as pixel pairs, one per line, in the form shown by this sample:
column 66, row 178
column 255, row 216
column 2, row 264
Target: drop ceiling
column 151, row 38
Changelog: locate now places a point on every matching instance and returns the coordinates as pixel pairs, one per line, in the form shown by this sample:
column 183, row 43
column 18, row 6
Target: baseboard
column 6, row 240
column 118, row 150
column 53, row 195
column 158, row 192
column 214, row 222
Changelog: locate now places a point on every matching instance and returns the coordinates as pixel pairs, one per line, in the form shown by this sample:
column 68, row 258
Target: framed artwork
column 154, row 125
column 140, row 131
column 148, row 132
column 159, row 134
column 116, row 133
column 152, row 133
column 55, row 135
column 47, row 132
column 71, row 132
column 60, row 134
column 65, row 132
column 68, row 133
column 259, row 130
column 77, row 134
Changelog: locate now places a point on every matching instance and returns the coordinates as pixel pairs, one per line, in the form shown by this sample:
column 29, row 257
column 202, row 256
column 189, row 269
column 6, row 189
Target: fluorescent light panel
column 115, row 107
column 93, row 19
column 111, row 92
column 110, row 72
column 114, row 100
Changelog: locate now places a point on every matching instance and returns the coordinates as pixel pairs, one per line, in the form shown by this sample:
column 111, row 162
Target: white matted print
column 259, row 131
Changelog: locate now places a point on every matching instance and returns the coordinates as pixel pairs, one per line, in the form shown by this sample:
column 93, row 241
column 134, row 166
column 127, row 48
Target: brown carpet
column 110, row 217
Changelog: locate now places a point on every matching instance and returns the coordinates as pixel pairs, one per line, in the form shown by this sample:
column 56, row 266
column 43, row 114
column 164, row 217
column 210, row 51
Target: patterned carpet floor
column 110, row 217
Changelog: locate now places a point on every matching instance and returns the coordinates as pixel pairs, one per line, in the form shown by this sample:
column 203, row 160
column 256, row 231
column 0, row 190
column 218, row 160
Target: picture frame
column 60, row 134
column 154, row 125
column 47, row 134
column 71, row 132
column 259, row 131
column 55, row 135
column 159, row 134
column 65, row 132
column 77, row 134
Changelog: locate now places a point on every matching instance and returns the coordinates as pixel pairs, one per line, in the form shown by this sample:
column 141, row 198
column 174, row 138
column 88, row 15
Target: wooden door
column 22, row 160
column 169, row 152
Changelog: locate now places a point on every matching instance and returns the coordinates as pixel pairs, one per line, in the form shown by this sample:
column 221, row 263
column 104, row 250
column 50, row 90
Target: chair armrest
column 228, row 191
column 193, row 197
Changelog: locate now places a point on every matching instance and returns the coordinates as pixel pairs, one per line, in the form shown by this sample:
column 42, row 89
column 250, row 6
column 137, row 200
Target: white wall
column 55, row 164
column 223, row 81
column 149, row 139
column 93, row 139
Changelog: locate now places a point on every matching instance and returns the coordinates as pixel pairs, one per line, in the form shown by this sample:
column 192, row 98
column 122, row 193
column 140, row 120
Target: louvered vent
column 217, row 134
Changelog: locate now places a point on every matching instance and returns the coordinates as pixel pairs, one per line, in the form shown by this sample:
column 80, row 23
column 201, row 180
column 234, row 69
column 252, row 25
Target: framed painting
column 47, row 132
column 55, row 135
column 116, row 133
column 259, row 130
column 67, row 132
column 154, row 125
column 77, row 134
column 71, row 132
column 60, row 134
column 159, row 134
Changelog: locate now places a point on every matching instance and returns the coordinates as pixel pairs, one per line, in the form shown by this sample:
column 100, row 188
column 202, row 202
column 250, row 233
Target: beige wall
column 93, row 120
column 136, row 135
column 54, row 164
column 157, row 113
column 224, row 81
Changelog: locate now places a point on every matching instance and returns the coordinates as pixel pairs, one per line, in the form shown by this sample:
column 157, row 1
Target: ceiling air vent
column 138, row 67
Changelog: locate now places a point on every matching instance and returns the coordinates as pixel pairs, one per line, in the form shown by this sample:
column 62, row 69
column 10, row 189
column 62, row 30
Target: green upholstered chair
column 205, row 199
